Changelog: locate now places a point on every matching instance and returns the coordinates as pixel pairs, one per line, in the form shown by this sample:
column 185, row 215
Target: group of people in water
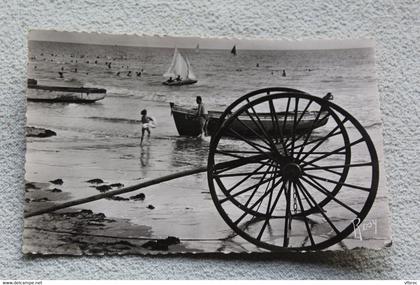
column 108, row 64
column 148, row 122
column 177, row 79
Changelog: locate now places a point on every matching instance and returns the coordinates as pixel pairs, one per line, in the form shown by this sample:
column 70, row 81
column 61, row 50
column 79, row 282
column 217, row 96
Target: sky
column 191, row 42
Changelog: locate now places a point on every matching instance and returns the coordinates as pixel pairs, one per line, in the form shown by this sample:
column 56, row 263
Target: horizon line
column 165, row 41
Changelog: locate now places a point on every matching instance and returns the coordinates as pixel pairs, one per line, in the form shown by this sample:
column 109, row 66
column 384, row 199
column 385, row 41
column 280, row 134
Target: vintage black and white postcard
column 155, row 145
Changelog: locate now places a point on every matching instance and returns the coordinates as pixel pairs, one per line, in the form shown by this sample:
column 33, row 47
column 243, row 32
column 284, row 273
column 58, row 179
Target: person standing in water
column 202, row 116
column 145, row 121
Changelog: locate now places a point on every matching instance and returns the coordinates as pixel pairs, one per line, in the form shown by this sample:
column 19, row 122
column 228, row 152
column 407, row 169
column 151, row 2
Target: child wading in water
column 145, row 120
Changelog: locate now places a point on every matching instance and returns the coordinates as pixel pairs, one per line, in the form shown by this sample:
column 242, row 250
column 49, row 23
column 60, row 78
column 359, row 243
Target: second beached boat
column 70, row 94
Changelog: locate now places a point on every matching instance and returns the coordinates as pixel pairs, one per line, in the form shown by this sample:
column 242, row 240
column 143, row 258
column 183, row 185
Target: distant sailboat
column 180, row 71
column 197, row 48
column 233, row 51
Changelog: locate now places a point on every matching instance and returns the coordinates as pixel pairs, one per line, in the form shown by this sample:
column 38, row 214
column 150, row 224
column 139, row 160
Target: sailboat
column 197, row 48
column 180, row 71
column 233, row 51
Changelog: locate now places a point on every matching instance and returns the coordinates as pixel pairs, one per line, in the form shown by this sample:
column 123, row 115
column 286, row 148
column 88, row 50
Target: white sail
column 179, row 66
column 190, row 73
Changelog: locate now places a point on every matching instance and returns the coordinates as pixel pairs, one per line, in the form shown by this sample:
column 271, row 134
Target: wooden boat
column 72, row 94
column 180, row 71
column 180, row 82
column 187, row 122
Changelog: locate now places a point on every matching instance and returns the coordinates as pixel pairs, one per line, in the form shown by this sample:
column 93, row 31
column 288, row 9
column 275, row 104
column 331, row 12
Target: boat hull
column 188, row 124
column 64, row 94
column 180, row 83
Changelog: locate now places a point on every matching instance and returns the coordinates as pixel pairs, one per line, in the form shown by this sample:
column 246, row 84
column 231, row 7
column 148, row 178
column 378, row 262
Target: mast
column 190, row 73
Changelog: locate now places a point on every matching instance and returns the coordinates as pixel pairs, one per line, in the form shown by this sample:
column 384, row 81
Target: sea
column 102, row 140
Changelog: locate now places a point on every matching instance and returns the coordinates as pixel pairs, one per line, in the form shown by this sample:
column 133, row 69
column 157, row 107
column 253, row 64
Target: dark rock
column 138, row 197
column 85, row 213
column 39, row 132
column 95, row 181
column 30, row 186
column 118, row 245
column 117, row 198
column 56, row 190
column 40, row 200
column 93, row 223
column 161, row 244
column 57, row 181
column 151, row 207
column 154, row 245
column 170, row 240
column 103, row 188
column 100, row 216
column 118, row 185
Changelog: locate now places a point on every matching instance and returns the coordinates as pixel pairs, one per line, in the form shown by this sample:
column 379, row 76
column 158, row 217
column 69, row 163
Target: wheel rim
column 295, row 180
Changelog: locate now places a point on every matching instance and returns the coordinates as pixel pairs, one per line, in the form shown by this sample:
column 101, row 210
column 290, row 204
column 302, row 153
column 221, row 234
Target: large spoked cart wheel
column 289, row 171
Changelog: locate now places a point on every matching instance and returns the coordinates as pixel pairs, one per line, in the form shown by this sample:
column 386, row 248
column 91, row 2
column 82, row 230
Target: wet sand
column 77, row 231
column 180, row 208
column 81, row 231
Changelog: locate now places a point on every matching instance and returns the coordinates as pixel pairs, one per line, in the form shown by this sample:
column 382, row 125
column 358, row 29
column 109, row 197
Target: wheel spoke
column 316, row 140
column 254, row 132
column 263, row 130
column 337, row 166
column 330, row 134
column 285, row 118
column 337, row 182
column 260, row 126
column 276, row 125
column 308, row 196
column 305, row 219
column 245, row 178
column 244, row 173
column 327, row 193
column 270, row 212
column 303, row 112
column 261, row 198
column 231, row 164
column 287, row 216
column 333, row 152
column 318, row 152
column 326, row 169
column 256, row 189
column 268, row 185
column 253, row 144
column 297, row 123
column 228, row 153
column 308, row 134
column 292, row 137
column 240, row 151
column 256, row 185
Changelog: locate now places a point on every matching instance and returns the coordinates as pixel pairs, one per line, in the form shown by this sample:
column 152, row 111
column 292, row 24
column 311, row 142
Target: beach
column 102, row 141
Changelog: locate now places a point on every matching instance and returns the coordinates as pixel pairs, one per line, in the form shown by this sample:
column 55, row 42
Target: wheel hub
column 292, row 171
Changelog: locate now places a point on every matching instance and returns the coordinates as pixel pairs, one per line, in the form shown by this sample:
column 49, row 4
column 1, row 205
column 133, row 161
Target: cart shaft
column 116, row 192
